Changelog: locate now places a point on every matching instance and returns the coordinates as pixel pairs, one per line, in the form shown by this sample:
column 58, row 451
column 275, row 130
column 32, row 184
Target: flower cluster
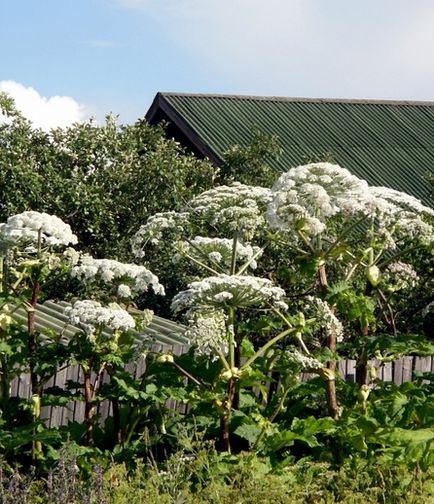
column 305, row 196
column 325, row 319
column 399, row 276
column 219, row 250
column 390, row 200
column 207, row 331
column 71, row 256
column 303, row 361
column 223, row 291
column 90, row 315
column 131, row 277
column 152, row 231
column 401, row 213
column 28, row 227
column 234, row 207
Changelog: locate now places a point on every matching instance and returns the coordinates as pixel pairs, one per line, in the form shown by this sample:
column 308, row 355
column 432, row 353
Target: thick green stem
column 132, row 428
column 206, row 258
column 395, row 256
column 343, row 234
column 267, row 345
column 234, row 253
column 188, row 375
column 31, row 327
column 202, row 265
column 4, row 381
column 249, row 262
column 32, row 346
column 223, row 359
column 306, row 241
column 1, row 274
column 362, row 371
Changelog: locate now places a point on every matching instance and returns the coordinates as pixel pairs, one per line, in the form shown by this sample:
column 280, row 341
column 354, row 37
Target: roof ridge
column 296, row 99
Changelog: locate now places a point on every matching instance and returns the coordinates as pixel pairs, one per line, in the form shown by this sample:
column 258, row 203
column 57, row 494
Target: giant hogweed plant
column 226, row 295
column 351, row 237
column 32, row 249
column 34, row 253
column 104, row 343
column 340, row 223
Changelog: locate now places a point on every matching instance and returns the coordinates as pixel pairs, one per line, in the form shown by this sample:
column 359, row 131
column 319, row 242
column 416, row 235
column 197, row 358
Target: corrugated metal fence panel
column 386, row 143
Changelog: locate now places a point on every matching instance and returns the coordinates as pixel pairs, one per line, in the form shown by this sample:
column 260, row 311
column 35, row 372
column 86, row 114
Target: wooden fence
column 398, row 372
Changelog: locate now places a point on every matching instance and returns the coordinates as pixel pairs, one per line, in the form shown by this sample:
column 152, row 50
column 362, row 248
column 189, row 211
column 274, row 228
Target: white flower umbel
column 124, row 291
column 325, row 319
column 402, row 213
column 90, row 315
column 234, row 207
column 225, row 291
column 394, row 200
column 399, row 276
column 152, row 231
column 136, row 278
column 207, row 332
column 304, row 362
column 219, row 250
column 305, row 196
column 26, row 227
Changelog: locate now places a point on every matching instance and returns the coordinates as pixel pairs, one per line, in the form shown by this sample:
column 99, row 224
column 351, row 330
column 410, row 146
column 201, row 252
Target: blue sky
column 100, row 56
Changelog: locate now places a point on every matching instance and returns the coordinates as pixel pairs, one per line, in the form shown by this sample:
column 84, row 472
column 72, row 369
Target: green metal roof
column 388, row 143
column 50, row 316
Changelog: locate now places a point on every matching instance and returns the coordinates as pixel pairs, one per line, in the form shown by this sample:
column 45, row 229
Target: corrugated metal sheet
column 50, row 316
column 387, row 143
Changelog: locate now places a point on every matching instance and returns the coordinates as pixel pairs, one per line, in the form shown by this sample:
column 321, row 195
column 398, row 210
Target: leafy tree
column 101, row 179
column 249, row 163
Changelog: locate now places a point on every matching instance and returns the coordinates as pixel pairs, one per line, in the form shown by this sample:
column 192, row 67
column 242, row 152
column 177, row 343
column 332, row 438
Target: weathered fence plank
column 399, row 371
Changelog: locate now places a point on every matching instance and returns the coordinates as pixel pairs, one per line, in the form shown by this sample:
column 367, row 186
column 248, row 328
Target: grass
column 221, row 479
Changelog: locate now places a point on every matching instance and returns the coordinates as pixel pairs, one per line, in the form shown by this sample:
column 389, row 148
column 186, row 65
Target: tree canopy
column 102, row 179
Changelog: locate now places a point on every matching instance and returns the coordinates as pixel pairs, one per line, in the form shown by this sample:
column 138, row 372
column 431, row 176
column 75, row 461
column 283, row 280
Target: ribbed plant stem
column 88, row 405
column 332, row 402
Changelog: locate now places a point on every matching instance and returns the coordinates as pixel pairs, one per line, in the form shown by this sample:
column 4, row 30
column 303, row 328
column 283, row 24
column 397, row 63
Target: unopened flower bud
column 165, row 358
column 373, row 275
column 230, row 373
column 364, row 393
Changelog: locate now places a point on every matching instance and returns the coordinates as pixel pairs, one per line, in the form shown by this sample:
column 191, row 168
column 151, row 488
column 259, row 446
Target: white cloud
column 43, row 112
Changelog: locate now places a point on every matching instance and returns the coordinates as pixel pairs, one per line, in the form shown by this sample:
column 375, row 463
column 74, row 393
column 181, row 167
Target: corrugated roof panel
column 388, row 143
column 50, row 316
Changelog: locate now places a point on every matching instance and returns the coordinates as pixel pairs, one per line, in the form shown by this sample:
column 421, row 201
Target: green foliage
column 204, row 476
column 102, row 179
column 249, row 164
column 277, row 434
